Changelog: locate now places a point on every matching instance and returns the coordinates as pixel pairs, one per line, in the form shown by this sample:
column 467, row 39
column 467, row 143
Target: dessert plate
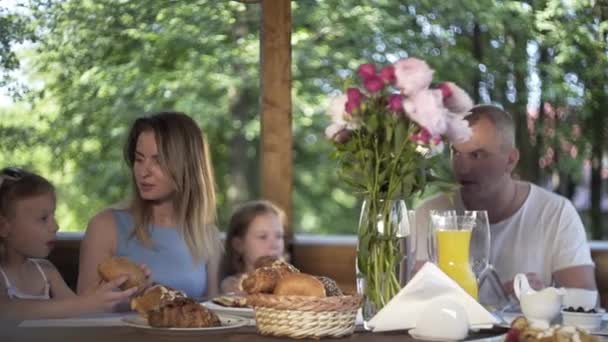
column 219, row 309
column 228, row 322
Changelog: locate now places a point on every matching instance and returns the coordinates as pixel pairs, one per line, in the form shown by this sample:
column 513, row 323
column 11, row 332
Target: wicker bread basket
column 303, row 316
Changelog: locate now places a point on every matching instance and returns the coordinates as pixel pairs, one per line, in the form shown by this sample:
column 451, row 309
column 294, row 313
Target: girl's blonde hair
column 232, row 262
column 17, row 184
column 184, row 156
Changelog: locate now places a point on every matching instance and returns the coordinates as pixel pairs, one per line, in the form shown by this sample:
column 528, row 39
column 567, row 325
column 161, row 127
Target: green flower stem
column 382, row 283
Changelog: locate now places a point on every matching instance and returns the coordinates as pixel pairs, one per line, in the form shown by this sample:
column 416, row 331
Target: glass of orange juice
column 450, row 243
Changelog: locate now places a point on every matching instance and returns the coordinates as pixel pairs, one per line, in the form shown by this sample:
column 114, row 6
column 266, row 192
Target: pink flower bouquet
column 387, row 133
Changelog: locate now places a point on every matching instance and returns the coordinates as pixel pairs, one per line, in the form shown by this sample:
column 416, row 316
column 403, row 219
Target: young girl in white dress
column 30, row 286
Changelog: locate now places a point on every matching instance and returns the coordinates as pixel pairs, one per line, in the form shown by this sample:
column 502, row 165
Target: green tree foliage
column 95, row 65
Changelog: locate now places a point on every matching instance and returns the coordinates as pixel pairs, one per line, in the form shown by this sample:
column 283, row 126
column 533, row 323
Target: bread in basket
column 302, row 306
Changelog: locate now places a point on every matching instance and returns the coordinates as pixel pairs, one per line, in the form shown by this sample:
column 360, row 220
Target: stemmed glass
column 491, row 291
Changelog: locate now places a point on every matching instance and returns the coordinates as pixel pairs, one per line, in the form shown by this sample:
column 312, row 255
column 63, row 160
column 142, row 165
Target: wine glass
column 491, row 292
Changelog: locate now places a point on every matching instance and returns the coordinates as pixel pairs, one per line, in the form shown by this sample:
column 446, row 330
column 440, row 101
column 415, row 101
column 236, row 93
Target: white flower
column 426, row 109
column 412, row 75
column 336, row 108
column 458, row 129
column 333, row 129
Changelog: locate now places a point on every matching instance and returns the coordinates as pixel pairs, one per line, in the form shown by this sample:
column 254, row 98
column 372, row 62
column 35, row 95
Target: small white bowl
column 442, row 312
column 583, row 320
column 587, row 299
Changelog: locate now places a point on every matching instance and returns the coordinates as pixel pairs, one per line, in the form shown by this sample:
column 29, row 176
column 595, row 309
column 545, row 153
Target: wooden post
column 275, row 83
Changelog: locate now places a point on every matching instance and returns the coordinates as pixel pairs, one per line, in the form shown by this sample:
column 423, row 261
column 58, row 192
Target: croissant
column 153, row 298
column 183, row 313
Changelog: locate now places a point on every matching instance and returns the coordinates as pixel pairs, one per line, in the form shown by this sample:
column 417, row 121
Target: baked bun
column 265, row 261
column 331, row 287
column 183, row 313
column 115, row 267
column 264, row 279
column 153, row 298
column 299, row 284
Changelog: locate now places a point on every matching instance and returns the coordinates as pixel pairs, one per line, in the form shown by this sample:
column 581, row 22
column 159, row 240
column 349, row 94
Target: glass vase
column 383, row 253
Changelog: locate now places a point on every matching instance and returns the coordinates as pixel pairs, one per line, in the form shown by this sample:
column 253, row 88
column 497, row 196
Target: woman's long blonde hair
column 184, row 156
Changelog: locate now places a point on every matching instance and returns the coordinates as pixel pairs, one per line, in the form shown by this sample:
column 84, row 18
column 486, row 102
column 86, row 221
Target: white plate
column 414, row 334
column 219, row 309
column 228, row 322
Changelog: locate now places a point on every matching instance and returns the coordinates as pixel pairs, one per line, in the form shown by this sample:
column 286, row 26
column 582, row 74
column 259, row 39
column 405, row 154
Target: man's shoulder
column 546, row 198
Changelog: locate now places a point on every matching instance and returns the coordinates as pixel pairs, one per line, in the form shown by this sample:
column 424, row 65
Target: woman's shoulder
column 105, row 221
column 103, row 218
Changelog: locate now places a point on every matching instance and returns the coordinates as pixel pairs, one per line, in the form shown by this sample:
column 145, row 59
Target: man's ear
column 512, row 160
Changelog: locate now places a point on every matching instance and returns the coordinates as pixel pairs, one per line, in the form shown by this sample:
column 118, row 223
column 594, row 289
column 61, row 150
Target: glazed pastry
column 115, row 267
column 299, row 284
column 331, row 287
column 521, row 331
column 231, row 301
column 183, row 313
column 153, row 298
column 265, row 261
column 264, row 279
column 272, row 261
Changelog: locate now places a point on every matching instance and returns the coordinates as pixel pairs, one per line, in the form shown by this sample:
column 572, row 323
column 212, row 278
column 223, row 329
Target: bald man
column 532, row 230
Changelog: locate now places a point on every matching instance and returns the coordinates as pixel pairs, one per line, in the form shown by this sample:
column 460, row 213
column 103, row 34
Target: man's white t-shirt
column 545, row 235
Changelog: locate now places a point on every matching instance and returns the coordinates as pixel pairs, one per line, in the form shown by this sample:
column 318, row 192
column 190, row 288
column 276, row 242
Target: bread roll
column 299, row 284
column 264, row 279
column 261, row 280
column 265, row 261
column 115, row 267
column 331, row 287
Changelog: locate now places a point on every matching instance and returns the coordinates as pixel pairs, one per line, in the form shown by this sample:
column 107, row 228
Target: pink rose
column 373, row 84
column 354, row 97
column 458, row 129
column 445, row 90
column 387, row 74
column 426, row 109
column 366, row 71
column 412, row 75
column 422, row 137
column 395, row 103
column 351, row 107
column 455, row 99
column 337, row 107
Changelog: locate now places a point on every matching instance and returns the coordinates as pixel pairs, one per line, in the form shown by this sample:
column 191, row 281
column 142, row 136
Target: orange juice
column 453, row 258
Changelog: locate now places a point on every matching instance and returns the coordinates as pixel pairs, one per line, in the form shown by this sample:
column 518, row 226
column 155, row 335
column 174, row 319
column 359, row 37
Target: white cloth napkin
column 430, row 282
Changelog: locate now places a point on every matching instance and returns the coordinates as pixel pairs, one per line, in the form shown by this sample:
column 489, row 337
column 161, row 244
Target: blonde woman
column 169, row 224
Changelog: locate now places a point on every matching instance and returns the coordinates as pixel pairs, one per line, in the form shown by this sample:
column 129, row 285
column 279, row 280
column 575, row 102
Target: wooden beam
column 275, row 82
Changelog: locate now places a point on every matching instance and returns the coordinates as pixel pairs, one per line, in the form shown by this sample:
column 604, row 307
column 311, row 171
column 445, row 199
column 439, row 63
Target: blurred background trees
column 78, row 71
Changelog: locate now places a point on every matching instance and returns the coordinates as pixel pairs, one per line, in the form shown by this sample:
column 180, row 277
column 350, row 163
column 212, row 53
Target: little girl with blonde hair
column 30, row 286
